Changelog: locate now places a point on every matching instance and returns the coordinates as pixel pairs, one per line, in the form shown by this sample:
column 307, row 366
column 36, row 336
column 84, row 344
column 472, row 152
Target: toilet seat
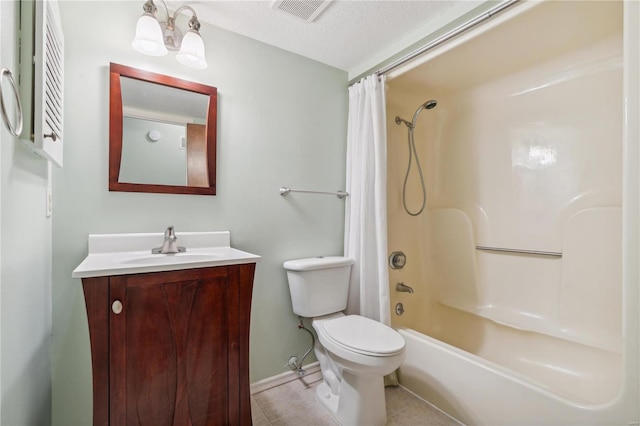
column 363, row 335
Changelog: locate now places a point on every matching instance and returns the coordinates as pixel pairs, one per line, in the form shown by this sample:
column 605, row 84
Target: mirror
column 162, row 133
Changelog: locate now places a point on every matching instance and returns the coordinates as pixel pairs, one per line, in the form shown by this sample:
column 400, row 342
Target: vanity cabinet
column 171, row 348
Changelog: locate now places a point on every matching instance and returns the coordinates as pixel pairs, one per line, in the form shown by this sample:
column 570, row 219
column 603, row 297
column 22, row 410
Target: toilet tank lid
column 321, row 262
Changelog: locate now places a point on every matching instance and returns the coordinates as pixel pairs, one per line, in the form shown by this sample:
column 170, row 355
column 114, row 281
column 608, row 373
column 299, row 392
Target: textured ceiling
column 348, row 35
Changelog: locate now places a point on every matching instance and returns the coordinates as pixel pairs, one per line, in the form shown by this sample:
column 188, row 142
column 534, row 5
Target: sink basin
column 121, row 254
column 161, row 259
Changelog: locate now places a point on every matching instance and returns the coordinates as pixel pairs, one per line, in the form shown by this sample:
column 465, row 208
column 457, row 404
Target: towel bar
column 340, row 194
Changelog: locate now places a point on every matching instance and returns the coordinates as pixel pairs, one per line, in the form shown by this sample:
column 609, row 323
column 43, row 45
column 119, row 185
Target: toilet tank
column 318, row 285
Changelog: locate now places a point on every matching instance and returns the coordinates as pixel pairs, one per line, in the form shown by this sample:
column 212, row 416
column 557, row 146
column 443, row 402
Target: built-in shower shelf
column 528, row 322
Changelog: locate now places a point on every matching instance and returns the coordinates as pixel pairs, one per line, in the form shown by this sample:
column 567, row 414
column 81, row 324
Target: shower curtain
column 366, row 208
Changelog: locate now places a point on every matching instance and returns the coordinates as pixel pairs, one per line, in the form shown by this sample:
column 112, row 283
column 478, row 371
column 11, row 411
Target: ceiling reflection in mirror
column 162, row 133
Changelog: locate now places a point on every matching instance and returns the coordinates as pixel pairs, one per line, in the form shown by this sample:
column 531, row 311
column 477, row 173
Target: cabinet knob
column 116, row 307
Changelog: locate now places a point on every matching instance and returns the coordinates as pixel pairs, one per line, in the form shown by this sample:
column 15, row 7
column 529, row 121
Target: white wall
column 281, row 122
column 25, row 271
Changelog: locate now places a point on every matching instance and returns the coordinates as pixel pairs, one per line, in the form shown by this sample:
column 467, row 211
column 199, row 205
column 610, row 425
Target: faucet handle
column 170, row 234
column 169, row 246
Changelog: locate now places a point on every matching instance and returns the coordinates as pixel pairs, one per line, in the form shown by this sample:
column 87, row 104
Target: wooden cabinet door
column 168, row 348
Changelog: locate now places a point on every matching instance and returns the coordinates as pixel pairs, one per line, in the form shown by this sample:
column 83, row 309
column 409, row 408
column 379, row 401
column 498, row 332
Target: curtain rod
column 460, row 29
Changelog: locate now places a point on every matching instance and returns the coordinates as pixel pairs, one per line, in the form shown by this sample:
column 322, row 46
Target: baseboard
column 280, row 379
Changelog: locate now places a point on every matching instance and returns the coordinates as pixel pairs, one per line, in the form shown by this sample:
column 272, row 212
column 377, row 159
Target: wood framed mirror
column 162, row 133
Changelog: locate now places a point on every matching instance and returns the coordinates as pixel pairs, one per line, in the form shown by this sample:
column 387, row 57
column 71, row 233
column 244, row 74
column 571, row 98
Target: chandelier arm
column 193, row 22
column 166, row 10
column 150, row 7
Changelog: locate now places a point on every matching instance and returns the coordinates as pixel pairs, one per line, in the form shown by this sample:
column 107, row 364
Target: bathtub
column 524, row 263
column 476, row 391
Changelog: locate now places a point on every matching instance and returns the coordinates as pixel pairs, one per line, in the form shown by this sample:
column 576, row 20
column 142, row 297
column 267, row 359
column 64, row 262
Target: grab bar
column 340, row 194
column 520, row 251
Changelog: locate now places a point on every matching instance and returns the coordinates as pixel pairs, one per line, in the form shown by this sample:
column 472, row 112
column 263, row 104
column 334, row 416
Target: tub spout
column 402, row 287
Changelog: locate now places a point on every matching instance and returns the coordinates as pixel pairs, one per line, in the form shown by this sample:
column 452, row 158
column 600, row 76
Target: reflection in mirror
column 167, row 125
column 162, row 133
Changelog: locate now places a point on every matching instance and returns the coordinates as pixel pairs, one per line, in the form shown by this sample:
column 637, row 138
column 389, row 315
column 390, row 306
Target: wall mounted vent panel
column 42, row 78
column 304, row 10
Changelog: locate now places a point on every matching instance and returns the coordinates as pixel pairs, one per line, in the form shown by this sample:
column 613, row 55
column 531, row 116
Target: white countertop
column 121, row 254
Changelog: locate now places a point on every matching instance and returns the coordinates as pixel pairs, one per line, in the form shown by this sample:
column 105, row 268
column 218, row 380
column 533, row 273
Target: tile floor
column 295, row 404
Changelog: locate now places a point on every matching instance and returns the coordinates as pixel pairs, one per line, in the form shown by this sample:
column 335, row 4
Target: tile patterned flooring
column 295, row 404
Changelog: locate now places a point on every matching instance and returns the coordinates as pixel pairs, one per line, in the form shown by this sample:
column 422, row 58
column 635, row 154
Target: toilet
column 354, row 352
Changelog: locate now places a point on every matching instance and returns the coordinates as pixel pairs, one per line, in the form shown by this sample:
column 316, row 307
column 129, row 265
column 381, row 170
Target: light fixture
column 156, row 38
column 154, row 135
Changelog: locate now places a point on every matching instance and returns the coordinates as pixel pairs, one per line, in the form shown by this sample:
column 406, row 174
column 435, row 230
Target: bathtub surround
column 365, row 237
column 519, row 158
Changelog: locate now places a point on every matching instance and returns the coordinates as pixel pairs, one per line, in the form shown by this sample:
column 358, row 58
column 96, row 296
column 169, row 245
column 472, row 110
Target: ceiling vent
column 304, row 10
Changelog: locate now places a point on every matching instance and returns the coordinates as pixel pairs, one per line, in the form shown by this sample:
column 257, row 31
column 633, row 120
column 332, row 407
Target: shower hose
column 412, row 153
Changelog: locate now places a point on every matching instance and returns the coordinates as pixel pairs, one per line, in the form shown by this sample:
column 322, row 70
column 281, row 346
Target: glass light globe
column 192, row 51
column 148, row 39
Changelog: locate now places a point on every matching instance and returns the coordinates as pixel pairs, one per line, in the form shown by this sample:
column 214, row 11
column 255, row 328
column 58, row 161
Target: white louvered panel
column 53, row 77
column 49, row 82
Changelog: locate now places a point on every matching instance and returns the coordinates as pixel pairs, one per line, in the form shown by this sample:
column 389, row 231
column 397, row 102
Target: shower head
column 430, row 104
column 427, row 105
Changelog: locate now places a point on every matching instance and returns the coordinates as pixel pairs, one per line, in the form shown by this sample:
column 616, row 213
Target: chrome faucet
column 402, row 287
column 170, row 244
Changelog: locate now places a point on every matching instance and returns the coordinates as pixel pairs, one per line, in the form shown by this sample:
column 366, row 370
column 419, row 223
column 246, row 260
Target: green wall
column 281, row 122
column 159, row 162
column 25, row 271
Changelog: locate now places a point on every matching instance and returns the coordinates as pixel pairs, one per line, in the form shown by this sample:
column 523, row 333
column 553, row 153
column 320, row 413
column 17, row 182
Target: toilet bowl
column 359, row 344
column 364, row 351
column 355, row 353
